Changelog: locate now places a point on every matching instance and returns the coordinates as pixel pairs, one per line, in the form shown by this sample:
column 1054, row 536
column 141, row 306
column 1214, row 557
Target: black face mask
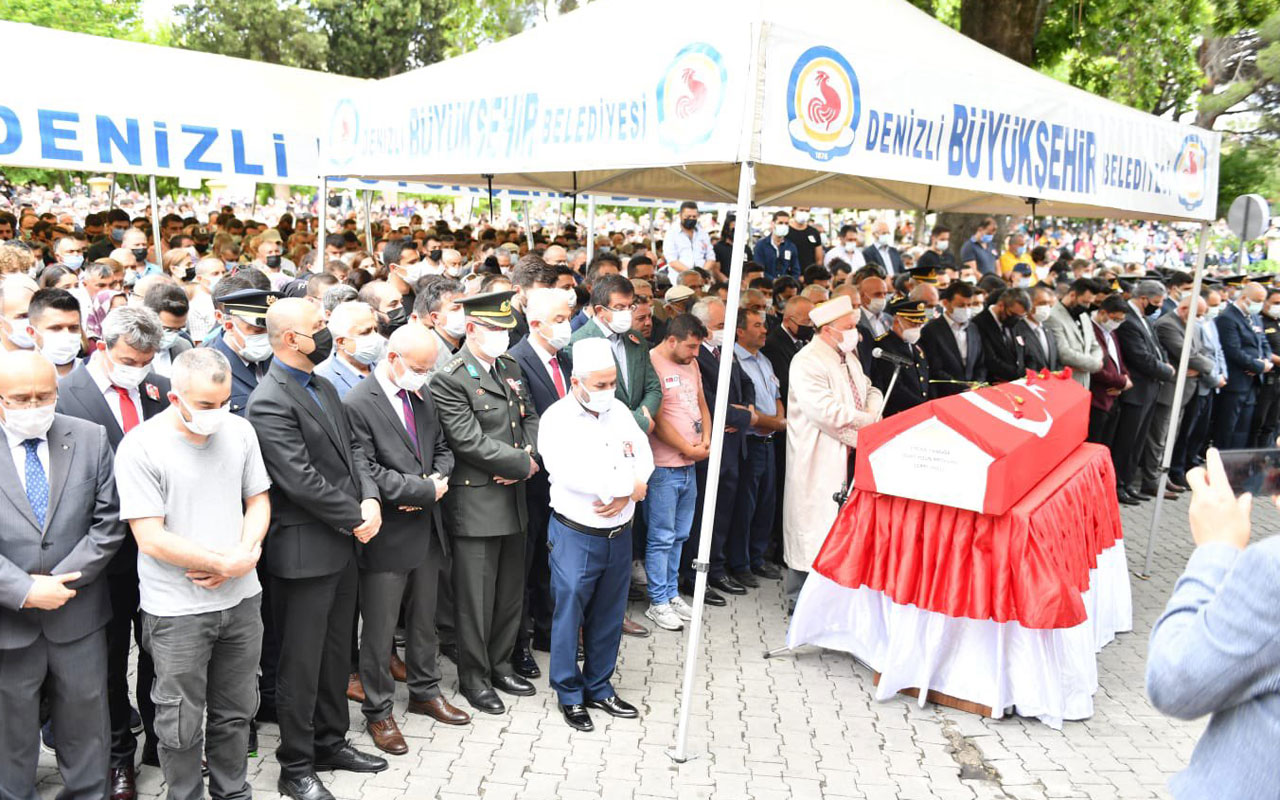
column 272, row 262
column 436, row 255
column 189, row 275
column 202, row 247
column 1151, row 309
column 323, row 340
column 1077, row 310
column 804, row 333
column 688, row 224
column 139, row 254
column 395, row 319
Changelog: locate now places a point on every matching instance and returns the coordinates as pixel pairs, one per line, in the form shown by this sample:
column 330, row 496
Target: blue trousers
column 753, row 510
column 670, row 504
column 1234, row 416
column 590, row 576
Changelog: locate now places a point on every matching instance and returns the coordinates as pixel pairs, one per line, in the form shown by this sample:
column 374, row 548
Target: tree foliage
column 119, row 19
column 1248, row 169
column 274, row 31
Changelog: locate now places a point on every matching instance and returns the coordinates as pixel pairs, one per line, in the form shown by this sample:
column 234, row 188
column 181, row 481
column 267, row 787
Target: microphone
column 892, row 358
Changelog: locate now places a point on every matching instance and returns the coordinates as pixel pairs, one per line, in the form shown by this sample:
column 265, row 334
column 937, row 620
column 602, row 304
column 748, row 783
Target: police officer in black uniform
column 1266, row 419
column 912, row 386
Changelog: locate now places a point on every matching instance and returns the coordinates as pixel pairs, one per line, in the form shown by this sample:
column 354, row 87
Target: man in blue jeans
column 757, row 482
column 681, row 437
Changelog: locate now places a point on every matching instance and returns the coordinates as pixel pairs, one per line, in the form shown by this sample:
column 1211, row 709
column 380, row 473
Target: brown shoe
column 122, row 784
column 355, row 689
column 630, row 628
column 398, row 673
column 386, row 735
column 440, row 710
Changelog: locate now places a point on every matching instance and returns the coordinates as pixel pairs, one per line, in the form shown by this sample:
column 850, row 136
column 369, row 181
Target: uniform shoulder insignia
column 884, row 335
column 507, row 357
column 453, row 365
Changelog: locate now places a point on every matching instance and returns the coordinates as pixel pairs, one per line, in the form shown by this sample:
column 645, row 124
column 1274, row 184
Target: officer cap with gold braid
column 910, row 310
column 249, row 305
column 1235, row 281
column 491, row 308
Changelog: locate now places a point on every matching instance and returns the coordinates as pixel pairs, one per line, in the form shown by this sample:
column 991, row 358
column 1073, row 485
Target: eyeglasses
column 32, row 402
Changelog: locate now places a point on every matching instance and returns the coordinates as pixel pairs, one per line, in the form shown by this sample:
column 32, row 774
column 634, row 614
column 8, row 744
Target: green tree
column 380, row 38
column 1248, row 170
column 119, row 19
column 274, row 31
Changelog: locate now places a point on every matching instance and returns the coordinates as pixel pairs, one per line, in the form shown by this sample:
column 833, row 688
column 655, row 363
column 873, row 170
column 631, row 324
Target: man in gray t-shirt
column 193, row 488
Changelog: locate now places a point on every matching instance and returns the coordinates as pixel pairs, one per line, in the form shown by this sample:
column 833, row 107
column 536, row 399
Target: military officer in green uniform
column 901, row 340
column 488, row 417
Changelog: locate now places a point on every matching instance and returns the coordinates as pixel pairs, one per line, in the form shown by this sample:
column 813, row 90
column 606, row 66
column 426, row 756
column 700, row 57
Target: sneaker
column 664, row 617
column 683, row 610
column 638, row 576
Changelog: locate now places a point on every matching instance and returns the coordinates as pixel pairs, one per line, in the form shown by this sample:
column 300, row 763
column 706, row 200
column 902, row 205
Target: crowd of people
column 274, row 457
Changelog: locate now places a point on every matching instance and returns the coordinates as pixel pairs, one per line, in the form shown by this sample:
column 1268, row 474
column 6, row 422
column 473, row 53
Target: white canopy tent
column 740, row 101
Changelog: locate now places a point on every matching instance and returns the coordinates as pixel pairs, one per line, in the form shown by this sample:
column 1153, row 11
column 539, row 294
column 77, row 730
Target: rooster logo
column 824, row 110
column 689, row 104
column 1190, row 168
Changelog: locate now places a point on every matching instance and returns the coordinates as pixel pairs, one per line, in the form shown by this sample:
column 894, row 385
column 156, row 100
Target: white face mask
column 598, row 402
column 60, row 347
column 885, row 239
column 911, row 335
column 876, row 306
column 409, row 380
column 849, row 340
column 168, row 339
column 29, row 423
column 123, row 375
column 941, row 245
column 1042, row 313
column 851, row 247
column 455, row 323
column 716, row 338
column 1274, row 312
column 204, row 421
column 412, row 272
column 780, row 230
column 620, row 321
column 557, row 335
column 369, row 348
column 257, row 347
column 20, row 336
column 802, row 217
column 960, row 316
column 1213, row 311
column 212, row 284
column 1112, row 324
column 493, row 342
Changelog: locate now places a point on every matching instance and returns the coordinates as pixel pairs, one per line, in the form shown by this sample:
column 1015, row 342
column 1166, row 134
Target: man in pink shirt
column 681, row 437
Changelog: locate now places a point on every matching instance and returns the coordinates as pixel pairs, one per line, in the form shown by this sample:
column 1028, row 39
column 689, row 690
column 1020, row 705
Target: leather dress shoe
column 747, row 579
column 122, row 783
column 308, row 787
column 767, row 571
column 399, row 673
column 1180, row 483
column 387, row 737
column 440, row 710
column 485, row 700
column 727, row 585
column 614, row 707
column 349, row 759
column 711, row 598
column 577, row 717
column 630, row 628
column 1127, row 499
column 1143, row 496
column 524, row 665
column 355, row 689
column 513, row 684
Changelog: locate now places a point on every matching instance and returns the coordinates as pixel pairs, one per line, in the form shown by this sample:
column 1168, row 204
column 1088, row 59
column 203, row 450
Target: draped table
column 1002, row 611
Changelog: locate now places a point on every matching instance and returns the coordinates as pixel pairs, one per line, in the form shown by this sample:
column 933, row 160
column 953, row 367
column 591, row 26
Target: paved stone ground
column 799, row 726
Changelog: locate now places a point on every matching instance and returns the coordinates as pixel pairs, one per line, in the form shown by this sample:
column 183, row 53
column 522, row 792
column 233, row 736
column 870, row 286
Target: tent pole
column 368, row 220
column 1175, row 411
column 528, row 227
column 111, row 198
column 746, row 181
column 591, row 227
column 489, row 178
column 155, row 217
column 322, row 203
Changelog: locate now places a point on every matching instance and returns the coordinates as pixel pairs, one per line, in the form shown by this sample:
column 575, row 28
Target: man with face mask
column 1072, row 331
column 874, row 291
column 1149, row 369
column 437, row 308
column 1248, row 360
column 1003, row 347
column 806, row 238
column 271, row 262
column 828, row 401
column 846, row 249
column 902, row 340
column 881, row 251
column 593, row 501
column 116, row 389
column 357, row 346
column 489, row 419
column 404, row 269
column 172, row 307
column 70, row 252
column 385, row 301
column 117, row 224
column 242, row 337
column 15, row 300
column 55, row 604
column 1107, row 384
column 193, row 488
column 201, row 322
column 530, row 273
column 686, row 244
column 951, row 347
column 1041, row 349
column 775, row 252
column 135, row 241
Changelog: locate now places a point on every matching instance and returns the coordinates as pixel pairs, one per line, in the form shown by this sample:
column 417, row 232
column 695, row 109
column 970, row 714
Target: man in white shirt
column 847, row 250
column 599, row 462
column 687, row 244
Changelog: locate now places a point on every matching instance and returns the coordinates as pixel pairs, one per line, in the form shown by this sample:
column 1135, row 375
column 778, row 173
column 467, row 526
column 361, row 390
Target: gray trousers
column 792, row 582
column 74, row 676
column 206, row 665
column 488, row 594
column 1149, row 466
column 380, row 596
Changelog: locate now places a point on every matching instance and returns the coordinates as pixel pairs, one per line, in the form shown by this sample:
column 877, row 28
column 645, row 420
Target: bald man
column 395, row 423
column 59, row 528
column 323, row 500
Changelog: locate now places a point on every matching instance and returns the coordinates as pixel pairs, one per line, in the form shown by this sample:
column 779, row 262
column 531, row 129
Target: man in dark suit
column 785, row 339
column 1248, row 359
column 902, row 340
column 243, row 335
column 1107, row 384
column 1170, row 330
column 1041, row 351
column 116, row 389
column 410, row 461
column 543, row 357
column 951, row 369
column 1003, row 347
column 59, row 531
column 1149, row 369
column 739, row 417
column 323, row 499
column 488, row 417
column 881, row 251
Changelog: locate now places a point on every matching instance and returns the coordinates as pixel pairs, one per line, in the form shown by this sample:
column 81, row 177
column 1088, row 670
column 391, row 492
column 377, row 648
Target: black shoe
column 615, row 707
column 524, row 665
column 541, row 642
column 349, row 759
column 711, row 598
column 308, row 787
column 513, row 684
column 767, row 571
column 449, row 651
column 577, row 717
column 1127, row 499
column 485, row 700
column 1180, row 482
column 1142, row 495
column 747, row 579
column 727, row 585
column 151, row 752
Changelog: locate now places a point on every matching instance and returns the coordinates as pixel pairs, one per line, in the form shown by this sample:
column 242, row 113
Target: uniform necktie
column 410, row 422
column 37, row 482
column 128, row 411
column 557, row 377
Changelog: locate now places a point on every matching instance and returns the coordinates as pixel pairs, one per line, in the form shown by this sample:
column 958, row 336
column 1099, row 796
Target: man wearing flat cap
column 902, row 340
column 489, row 420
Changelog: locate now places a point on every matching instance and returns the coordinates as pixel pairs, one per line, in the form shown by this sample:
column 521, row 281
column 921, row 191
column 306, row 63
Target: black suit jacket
column 1036, row 357
column 947, row 370
column 79, row 396
column 741, row 392
column 912, row 386
column 872, row 256
column 1144, row 358
column 780, row 348
column 244, row 379
column 401, row 473
column 1005, row 358
column 319, row 475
